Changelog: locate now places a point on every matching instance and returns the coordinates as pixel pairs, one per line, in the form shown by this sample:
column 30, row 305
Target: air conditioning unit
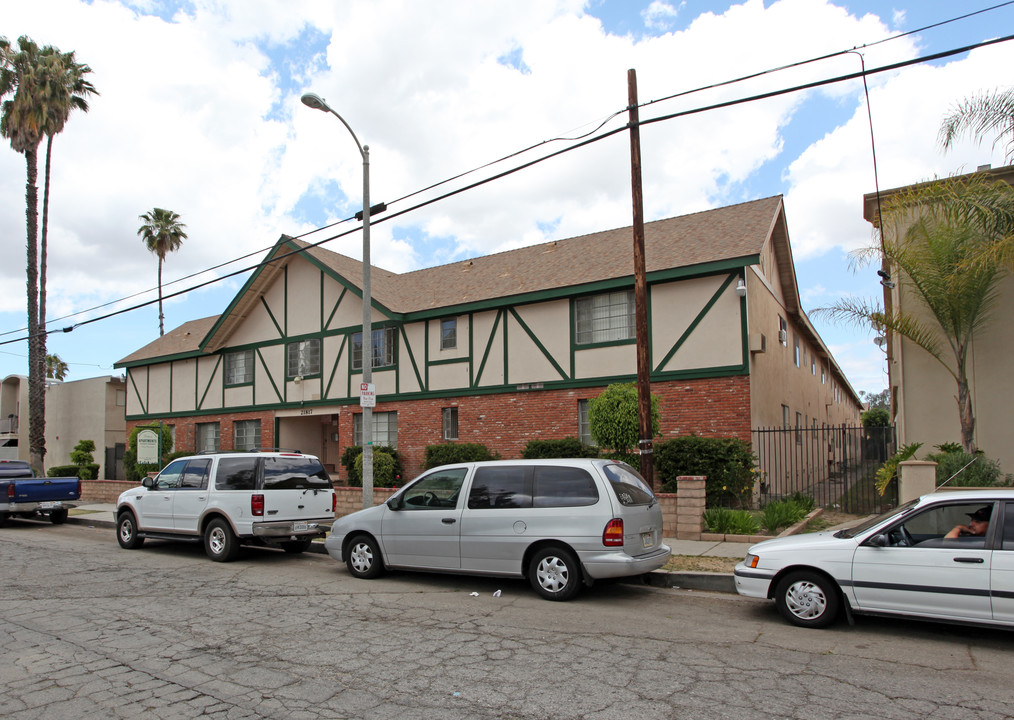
column 783, row 337
column 758, row 342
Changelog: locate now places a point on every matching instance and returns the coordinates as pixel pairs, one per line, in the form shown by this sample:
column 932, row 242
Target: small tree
column 613, row 418
column 81, row 456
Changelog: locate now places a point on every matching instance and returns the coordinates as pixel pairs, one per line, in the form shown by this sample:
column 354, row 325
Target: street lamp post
column 317, row 103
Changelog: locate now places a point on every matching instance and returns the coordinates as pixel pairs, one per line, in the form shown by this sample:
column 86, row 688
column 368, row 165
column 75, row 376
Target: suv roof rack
column 251, row 450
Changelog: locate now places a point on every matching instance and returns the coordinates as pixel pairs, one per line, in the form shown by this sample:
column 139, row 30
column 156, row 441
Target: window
column 823, row 375
column 303, row 358
column 450, row 423
column 239, row 367
column 448, row 333
column 799, row 424
column 238, row 473
column 195, row 477
column 383, row 348
column 385, row 429
column 629, row 486
column 207, row 437
column 170, row 477
column 436, row 491
column 785, row 416
column 813, row 365
column 604, row 318
column 246, row 434
column 795, row 345
column 501, row 487
column 583, row 426
column 929, row 528
column 121, row 398
column 564, row 487
column 783, row 331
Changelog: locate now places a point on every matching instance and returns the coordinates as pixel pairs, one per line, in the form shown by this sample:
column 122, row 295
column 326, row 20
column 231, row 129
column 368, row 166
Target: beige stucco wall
column 14, row 401
column 717, row 339
column 83, row 410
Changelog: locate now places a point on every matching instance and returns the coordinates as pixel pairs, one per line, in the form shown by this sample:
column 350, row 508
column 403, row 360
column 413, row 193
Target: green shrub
column 448, row 453
column 74, row 471
column 726, row 462
column 614, row 419
column 889, row 469
column 781, row 513
column 730, row 522
column 350, row 460
column 82, row 457
column 804, row 501
column 980, row 470
column 566, row 448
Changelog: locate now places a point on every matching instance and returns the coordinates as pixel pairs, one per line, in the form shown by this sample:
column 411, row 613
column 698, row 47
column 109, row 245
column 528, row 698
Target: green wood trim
column 411, row 359
column 137, row 393
column 334, row 310
column 210, row 379
column 452, row 361
column 538, row 344
column 274, row 386
column 696, row 321
column 489, row 347
column 334, row 368
column 281, row 333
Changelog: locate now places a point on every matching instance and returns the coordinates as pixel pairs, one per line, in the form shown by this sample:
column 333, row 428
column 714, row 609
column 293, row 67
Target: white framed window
column 246, row 434
column 604, row 318
column 785, row 416
column 121, row 398
column 783, row 331
column 448, row 333
column 450, row 423
column 239, row 367
column 383, row 348
column 385, row 429
column 303, row 358
column 208, row 437
column 583, row 426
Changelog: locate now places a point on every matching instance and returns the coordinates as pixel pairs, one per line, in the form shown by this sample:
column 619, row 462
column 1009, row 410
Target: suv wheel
column 126, row 531
column 220, row 543
column 554, row 573
column 363, row 558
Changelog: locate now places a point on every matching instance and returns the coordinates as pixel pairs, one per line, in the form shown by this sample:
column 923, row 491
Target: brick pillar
column 690, row 510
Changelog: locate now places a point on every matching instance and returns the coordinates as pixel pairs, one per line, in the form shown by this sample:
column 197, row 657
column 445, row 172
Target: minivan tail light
column 257, row 505
column 612, row 536
column 334, row 501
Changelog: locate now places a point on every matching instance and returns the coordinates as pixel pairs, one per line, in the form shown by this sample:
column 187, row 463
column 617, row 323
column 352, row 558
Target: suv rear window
column 294, row 473
column 630, row 488
column 558, row 486
column 236, row 473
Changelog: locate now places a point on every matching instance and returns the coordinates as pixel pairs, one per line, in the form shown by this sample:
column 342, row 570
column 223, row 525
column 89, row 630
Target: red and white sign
column 367, row 395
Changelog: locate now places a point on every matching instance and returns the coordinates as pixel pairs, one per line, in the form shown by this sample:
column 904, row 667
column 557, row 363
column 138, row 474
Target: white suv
column 283, row 499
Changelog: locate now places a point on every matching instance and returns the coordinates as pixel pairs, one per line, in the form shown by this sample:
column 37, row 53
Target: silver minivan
column 560, row 523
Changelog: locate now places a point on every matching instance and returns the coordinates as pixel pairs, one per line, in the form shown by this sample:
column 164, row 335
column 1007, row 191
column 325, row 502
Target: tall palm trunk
column 161, row 327
column 43, row 255
column 36, row 381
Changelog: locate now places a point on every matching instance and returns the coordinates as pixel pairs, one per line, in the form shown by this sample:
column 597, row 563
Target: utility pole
column 640, row 290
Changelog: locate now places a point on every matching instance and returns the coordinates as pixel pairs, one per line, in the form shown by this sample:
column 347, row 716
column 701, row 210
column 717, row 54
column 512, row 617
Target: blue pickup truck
column 24, row 495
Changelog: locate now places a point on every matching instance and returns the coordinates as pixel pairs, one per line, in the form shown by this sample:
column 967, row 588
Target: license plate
column 299, row 527
column 48, row 505
column 647, row 539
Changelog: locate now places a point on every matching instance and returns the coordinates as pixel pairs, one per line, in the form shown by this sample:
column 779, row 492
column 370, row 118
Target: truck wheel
column 294, row 547
column 126, row 531
column 220, row 543
column 58, row 517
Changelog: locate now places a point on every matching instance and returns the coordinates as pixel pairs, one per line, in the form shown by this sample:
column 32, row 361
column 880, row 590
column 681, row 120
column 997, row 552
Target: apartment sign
column 147, row 447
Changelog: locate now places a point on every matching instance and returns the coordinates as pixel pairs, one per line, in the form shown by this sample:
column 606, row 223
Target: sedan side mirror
column 878, row 540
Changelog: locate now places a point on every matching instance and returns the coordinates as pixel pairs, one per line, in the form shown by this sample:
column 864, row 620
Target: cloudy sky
column 199, row 112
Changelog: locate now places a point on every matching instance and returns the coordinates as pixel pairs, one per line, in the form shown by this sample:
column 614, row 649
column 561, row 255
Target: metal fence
column 833, row 465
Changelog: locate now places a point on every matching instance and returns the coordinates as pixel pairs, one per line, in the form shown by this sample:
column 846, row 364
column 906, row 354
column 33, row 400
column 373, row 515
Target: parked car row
column 562, row 524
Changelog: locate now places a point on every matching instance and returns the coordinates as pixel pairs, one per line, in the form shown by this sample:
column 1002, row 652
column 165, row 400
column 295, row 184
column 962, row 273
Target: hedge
column 726, row 462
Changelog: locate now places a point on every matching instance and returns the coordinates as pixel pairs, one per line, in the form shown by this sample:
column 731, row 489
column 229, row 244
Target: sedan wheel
column 807, row 599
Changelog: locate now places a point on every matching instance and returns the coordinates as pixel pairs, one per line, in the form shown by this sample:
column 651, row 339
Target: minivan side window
column 501, row 487
column 630, row 488
column 559, row 486
column 294, row 473
column 236, row 473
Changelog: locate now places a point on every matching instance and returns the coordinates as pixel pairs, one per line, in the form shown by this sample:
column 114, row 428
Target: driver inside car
column 978, row 524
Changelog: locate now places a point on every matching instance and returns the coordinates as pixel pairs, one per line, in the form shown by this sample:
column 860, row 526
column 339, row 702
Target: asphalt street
column 91, row 630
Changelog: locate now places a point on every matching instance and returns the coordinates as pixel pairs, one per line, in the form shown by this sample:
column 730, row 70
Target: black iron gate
column 833, row 465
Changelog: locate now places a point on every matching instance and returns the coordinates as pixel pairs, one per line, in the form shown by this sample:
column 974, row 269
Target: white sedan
column 948, row 556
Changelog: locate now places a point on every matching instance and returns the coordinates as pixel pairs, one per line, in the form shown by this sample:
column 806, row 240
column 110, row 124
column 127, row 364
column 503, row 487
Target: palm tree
column 23, row 121
column 68, row 90
column 989, row 113
column 939, row 240
column 56, row 368
column 162, row 232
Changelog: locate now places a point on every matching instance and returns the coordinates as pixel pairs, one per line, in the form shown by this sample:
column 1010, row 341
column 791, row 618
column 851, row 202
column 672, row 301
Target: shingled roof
column 724, row 234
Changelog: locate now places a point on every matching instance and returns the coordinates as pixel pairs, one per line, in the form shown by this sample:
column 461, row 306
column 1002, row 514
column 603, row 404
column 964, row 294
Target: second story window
column 383, row 348
column 448, row 333
column 239, row 367
column 303, row 358
column 604, row 318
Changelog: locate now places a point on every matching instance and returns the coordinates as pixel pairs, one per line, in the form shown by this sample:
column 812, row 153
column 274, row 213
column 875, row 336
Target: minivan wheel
column 554, row 573
column 363, row 558
column 220, row 543
column 126, row 531
column 807, row 599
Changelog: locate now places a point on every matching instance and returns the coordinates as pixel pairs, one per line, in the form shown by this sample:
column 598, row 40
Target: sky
column 199, row 112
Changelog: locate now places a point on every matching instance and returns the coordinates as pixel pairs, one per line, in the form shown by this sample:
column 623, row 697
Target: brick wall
column 185, row 428
column 103, row 491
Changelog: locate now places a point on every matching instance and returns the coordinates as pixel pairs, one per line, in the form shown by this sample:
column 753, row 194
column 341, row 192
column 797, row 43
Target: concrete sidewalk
column 104, row 515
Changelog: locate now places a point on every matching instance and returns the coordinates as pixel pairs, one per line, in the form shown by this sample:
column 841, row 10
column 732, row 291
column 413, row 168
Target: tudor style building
column 501, row 349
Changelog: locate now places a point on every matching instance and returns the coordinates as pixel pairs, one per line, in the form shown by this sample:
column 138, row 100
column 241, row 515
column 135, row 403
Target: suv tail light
column 256, row 505
column 612, row 536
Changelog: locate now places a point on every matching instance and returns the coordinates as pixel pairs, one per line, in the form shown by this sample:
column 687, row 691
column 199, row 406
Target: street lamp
column 317, row 103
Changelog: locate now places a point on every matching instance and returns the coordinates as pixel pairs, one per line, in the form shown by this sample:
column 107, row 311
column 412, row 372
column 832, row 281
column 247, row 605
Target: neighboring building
column 90, row 409
column 501, row 349
column 923, row 392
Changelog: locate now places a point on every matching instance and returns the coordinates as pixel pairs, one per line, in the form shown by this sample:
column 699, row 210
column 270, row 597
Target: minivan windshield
column 629, row 486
